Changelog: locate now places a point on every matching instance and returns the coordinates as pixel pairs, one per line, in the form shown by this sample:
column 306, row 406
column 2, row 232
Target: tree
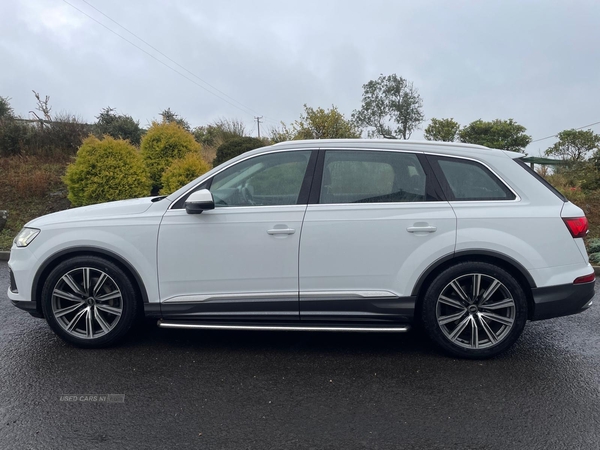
column 445, row 130
column 321, row 124
column 575, row 145
column 163, row 143
column 392, row 106
column 106, row 170
column 119, row 126
column 280, row 134
column 6, row 111
column 502, row 134
column 235, row 147
column 169, row 116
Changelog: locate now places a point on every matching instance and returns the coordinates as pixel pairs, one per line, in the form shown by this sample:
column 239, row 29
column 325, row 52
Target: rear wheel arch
column 507, row 263
column 57, row 258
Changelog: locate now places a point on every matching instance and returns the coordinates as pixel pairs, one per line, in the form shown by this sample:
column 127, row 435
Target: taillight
column 585, row 279
column 578, row 226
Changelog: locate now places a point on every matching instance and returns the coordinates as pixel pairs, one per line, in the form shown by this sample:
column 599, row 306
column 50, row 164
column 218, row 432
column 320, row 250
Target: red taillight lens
column 578, row 226
column 585, row 279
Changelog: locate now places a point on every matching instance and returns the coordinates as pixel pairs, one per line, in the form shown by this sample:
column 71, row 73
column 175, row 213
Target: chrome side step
column 208, row 326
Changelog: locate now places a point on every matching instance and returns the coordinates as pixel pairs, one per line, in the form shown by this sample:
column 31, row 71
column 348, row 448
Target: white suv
column 328, row 235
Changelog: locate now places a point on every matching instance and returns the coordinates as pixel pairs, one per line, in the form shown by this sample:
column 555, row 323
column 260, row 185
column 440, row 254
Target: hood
column 95, row 212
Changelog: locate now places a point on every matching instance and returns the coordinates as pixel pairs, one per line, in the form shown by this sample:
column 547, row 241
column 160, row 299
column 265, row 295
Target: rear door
column 376, row 220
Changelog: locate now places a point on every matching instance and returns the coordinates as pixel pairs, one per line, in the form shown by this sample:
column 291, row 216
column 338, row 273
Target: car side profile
column 323, row 235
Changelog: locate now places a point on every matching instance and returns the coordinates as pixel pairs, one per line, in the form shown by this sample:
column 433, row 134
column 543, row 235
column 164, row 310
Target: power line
column 162, row 62
column 167, row 57
column 555, row 135
column 258, row 122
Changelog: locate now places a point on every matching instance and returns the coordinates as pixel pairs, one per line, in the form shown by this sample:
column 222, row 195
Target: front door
column 240, row 260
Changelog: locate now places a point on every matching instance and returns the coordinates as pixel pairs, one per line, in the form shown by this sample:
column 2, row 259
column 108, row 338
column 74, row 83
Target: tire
column 474, row 310
column 107, row 301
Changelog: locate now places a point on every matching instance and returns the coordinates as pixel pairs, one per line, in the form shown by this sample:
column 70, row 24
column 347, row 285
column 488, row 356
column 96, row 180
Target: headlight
column 25, row 236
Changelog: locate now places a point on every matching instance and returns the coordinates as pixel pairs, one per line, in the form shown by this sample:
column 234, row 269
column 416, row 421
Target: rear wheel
column 89, row 301
column 474, row 310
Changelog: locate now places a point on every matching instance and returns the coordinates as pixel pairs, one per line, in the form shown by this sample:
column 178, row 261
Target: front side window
column 469, row 180
column 372, row 177
column 266, row 180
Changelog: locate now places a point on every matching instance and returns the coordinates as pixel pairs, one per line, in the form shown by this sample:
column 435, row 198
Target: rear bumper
column 561, row 300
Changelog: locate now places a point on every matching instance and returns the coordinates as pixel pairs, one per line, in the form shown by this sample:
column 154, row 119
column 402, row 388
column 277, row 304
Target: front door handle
column 275, row 231
column 422, row 229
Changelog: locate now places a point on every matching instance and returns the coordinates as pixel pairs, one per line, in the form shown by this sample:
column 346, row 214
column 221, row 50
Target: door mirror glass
column 199, row 201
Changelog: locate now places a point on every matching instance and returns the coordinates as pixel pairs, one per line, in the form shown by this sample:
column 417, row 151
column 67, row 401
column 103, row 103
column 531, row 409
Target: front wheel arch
column 57, row 258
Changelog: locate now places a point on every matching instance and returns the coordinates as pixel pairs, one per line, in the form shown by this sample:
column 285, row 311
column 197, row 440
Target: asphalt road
column 259, row 390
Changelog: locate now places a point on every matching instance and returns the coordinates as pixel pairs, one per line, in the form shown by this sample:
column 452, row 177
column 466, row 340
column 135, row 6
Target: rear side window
column 541, row 179
column 372, row 177
column 469, row 180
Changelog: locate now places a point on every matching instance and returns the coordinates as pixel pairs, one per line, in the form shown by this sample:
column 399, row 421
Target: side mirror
column 199, row 201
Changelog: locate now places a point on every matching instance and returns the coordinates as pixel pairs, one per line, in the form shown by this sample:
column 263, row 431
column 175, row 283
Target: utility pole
column 258, row 122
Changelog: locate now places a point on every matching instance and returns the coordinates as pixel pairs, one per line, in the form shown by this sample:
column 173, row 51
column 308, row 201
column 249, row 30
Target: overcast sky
column 537, row 62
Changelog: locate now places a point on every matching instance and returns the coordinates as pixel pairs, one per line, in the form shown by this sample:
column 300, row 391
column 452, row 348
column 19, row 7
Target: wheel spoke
column 75, row 319
column 110, row 296
column 109, row 309
column 89, row 323
column 496, row 318
column 66, row 296
column 452, row 317
column 490, row 334
column 105, row 326
column 99, row 283
column 69, row 309
column 490, row 291
column 460, row 327
column 451, row 302
column 67, row 278
column 86, row 280
column 474, row 333
column 506, row 303
column 459, row 290
column 476, row 285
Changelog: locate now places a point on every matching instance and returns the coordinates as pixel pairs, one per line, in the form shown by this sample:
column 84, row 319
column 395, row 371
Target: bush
column 595, row 259
column 235, row 147
column 163, row 143
column 593, row 245
column 119, row 126
column 106, row 170
column 182, row 171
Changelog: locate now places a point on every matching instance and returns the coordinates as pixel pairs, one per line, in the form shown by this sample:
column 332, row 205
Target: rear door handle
column 422, row 229
column 275, row 231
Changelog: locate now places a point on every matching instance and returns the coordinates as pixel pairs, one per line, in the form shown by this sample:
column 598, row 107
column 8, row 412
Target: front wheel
column 89, row 301
column 474, row 310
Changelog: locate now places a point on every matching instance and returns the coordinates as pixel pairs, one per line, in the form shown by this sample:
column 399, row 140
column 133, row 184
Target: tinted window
column 273, row 179
column 372, row 177
column 469, row 180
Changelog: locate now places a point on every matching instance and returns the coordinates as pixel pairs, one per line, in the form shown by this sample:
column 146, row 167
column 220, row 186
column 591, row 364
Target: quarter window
column 372, row 177
column 266, row 180
column 469, row 180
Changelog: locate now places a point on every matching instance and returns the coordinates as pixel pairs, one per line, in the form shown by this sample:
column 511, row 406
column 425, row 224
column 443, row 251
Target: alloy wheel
column 475, row 311
column 87, row 303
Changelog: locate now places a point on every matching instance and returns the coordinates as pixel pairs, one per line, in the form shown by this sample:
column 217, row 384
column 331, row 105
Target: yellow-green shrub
column 182, row 171
column 163, row 143
column 106, row 170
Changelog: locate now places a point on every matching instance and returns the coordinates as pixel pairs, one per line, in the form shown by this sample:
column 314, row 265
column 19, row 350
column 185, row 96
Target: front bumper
column 30, row 307
column 561, row 300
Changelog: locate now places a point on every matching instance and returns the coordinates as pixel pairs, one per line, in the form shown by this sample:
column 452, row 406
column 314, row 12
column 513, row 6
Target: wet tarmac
column 261, row 390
